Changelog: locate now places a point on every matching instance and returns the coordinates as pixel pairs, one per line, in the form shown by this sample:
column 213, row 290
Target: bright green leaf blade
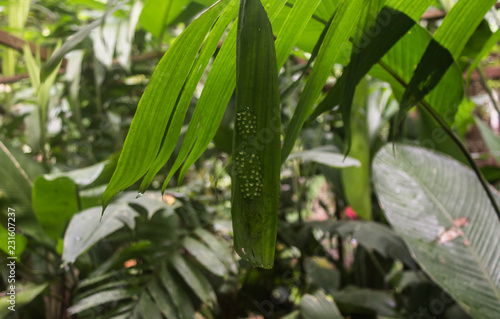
column 157, row 103
column 54, row 203
column 491, row 139
column 398, row 66
column 423, row 195
column 157, row 14
column 413, row 9
column 356, row 180
column 366, row 52
column 204, row 256
column 85, row 228
column 7, row 241
column 430, row 70
column 494, row 38
column 99, row 299
column 338, row 34
column 460, row 23
column 325, row 155
column 213, row 101
column 293, row 27
column 174, row 129
column 318, row 306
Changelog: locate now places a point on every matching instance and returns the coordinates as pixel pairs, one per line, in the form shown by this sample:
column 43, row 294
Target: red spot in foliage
column 350, row 213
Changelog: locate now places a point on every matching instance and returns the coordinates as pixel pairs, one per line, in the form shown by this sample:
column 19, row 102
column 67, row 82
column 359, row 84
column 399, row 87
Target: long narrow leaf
column 182, row 106
column 157, row 103
column 338, row 34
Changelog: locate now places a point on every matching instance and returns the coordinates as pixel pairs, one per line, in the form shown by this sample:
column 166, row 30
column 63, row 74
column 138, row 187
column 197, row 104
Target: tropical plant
column 327, row 139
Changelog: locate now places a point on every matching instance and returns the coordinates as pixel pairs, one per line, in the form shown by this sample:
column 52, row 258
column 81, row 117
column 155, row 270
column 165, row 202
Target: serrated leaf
column 423, row 194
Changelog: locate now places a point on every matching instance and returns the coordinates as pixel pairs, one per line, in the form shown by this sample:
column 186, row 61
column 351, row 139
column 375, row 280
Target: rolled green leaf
column 256, row 142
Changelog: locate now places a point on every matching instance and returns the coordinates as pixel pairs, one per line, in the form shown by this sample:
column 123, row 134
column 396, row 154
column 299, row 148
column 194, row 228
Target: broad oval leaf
column 442, row 212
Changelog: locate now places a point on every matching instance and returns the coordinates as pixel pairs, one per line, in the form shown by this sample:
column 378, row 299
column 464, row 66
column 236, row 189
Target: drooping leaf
column 341, row 28
column 444, row 215
column 85, row 228
column 157, row 103
column 293, row 27
column 255, row 174
column 175, row 126
column 216, row 94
